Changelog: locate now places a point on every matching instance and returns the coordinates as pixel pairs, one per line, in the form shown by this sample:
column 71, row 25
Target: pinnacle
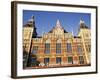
column 81, row 21
column 58, row 23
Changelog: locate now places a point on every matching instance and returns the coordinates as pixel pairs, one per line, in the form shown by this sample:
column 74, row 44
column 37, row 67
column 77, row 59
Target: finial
column 72, row 32
column 81, row 21
column 58, row 23
column 82, row 24
column 32, row 19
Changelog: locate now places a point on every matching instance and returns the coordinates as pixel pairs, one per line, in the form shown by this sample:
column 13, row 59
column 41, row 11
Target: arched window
column 79, row 49
column 35, row 50
column 58, row 46
column 69, row 48
column 47, row 46
column 48, row 41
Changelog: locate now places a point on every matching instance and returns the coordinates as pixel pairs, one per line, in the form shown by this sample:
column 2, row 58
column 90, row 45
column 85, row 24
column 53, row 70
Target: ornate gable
column 58, row 29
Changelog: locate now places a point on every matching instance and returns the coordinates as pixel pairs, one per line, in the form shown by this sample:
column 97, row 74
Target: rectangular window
column 34, row 62
column 35, row 49
column 69, row 48
column 58, row 60
column 46, row 60
column 79, row 49
column 58, row 48
column 33, row 59
column 47, row 48
column 88, row 48
column 70, row 60
column 81, row 59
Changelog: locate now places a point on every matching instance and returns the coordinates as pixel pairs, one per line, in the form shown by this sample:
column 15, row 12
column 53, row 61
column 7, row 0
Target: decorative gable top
column 58, row 29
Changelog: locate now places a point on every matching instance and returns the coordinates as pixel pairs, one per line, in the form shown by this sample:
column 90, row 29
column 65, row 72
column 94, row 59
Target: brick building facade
column 59, row 47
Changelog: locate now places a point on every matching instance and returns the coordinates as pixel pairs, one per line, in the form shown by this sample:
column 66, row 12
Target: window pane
column 35, row 49
column 69, row 48
column 81, row 59
column 47, row 45
column 79, row 49
column 58, row 60
column 46, row 60
column 47, row 51
column 58, row 47
column 70, row 60
column 33, row 59
column 47, row 48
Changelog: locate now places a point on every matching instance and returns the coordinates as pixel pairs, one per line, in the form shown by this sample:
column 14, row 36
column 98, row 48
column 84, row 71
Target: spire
column 58, row 23
column 82, row 24
column 72, row 32
column 32, row 19
column 81, row 21
column 31, row 22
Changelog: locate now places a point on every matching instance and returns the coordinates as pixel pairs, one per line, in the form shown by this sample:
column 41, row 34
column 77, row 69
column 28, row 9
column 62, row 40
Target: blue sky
column 46, row 20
